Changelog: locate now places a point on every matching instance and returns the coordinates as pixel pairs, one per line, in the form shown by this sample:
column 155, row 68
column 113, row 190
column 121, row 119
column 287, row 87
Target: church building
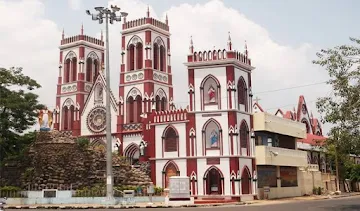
column 211, row 141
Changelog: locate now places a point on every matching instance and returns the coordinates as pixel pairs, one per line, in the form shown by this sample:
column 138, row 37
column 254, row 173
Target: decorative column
column 191, row 96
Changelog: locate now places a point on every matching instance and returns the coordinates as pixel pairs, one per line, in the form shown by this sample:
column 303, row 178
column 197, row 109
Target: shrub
column 83, row 142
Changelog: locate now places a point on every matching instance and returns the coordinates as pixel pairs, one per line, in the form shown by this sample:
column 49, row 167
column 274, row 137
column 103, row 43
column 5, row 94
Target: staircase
column 214, row 200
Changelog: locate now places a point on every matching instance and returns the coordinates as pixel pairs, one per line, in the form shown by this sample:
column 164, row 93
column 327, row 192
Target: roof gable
column 100, row 80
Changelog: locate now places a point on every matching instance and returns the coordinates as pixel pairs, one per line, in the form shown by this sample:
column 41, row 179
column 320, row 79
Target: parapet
column 143, row 21
column 86, row 38
column 215, row 55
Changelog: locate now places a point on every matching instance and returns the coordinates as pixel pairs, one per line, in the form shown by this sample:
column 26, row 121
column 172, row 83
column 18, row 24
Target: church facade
column 211, row 141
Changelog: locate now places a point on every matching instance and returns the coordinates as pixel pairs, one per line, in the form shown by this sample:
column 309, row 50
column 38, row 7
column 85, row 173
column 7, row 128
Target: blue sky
column 283, row 38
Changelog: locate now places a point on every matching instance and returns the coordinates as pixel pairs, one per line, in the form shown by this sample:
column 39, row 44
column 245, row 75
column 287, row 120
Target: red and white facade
column 210, row 141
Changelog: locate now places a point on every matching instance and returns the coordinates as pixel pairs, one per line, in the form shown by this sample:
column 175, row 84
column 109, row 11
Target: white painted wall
column 159, row 131
column 160, row 164
column 241, row 73
column 224, row 167
column 129, row 139
column 223, row 121
column 220, row 74
column 90, row 105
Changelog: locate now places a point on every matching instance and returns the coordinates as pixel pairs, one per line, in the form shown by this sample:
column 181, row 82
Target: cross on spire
column 257, row 99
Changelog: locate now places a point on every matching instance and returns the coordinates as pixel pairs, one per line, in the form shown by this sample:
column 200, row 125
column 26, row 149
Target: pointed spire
column 63, row 34
column 102, row 36
column 191, row 48
column 82, row 29
column 229, row 43
column 167, row 20
column 246, row 49
column 148, row 12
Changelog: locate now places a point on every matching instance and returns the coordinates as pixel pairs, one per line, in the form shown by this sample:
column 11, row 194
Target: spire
column 63, row 34
column 82, row 29
column 167, row 20
column 148, row 12
column 246, row 50
column 191, row 48
column 102, row 36
column 229, row 43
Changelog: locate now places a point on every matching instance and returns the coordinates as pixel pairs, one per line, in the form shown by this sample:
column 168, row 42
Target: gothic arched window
column 131, row 57
column 139, row 55
column 89, row 64
column 96, row 69
column 244, row 135
column 67, row 71
column 156, row 56
column 130, row 109
column 163, row 104
column 170, row 140
column 162, row 58
column 74, row 71
column 242, row 93
column 138, row 108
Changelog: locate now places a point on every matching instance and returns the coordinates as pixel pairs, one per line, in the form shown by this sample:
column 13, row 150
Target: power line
column 294, row 87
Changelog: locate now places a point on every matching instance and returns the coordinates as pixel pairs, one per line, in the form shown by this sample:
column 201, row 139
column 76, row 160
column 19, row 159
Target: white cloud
column 277, row 66
column 31, row 41
column 75, row 4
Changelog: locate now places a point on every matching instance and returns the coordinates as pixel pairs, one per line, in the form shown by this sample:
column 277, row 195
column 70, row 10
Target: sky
column 282, row 37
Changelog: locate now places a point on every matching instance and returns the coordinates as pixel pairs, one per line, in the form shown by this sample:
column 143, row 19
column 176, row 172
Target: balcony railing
column 266, row 155
column 132, row 127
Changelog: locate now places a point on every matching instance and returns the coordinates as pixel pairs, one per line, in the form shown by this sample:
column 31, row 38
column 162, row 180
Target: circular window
column 96, row 119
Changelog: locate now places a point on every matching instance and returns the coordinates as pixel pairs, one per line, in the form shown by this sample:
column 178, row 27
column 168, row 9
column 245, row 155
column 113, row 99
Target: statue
column 45, row 119
column 214, row 137
column 143, row 145
column 212, row 95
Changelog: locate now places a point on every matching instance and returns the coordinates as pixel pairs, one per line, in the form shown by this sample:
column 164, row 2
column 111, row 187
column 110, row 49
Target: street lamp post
column 110, row 16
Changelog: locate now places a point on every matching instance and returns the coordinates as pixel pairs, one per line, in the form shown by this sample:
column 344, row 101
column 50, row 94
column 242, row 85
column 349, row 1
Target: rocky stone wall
column 56, row 160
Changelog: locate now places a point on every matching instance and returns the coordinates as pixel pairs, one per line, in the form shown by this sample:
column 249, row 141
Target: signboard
column 179, row 187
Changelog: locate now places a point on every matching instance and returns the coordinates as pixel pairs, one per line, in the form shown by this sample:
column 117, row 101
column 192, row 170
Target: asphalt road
column 340, row 204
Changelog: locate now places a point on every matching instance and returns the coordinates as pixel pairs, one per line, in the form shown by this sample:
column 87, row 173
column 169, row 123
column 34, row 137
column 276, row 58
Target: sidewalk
column 162, row 205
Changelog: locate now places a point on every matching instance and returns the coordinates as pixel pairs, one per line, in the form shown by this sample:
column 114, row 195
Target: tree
column 18, row 107
column 342, row 110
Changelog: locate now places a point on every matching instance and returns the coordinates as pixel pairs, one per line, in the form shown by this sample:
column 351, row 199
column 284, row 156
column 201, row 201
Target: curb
column 68, row 207
column 120, row 206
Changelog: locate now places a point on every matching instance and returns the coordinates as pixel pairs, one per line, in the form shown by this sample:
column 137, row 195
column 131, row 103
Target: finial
column 191, row 48
column 82, row 29
column 167, row 20
column 102, row 36
column 246, row 50
column 63, row 34
column 229, row 42
column 148, row 12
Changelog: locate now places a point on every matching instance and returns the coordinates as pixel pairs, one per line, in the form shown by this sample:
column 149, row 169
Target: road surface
column 340, row 204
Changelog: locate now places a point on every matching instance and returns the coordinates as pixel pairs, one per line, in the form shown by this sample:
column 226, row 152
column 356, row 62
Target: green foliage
column 341, row 109
column 83, row 142
column 18, row 107
column 158, row 191
column 96, row 191
column 353, row 172
column 10, row 192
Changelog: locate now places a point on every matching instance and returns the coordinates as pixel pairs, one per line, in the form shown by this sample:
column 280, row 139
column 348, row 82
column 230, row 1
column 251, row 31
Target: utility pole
column 110, row 16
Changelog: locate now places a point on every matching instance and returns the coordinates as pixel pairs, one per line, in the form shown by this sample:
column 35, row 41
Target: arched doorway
column 170, row 170
column 245, row 181
column 132, row 153
column 213, row 181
